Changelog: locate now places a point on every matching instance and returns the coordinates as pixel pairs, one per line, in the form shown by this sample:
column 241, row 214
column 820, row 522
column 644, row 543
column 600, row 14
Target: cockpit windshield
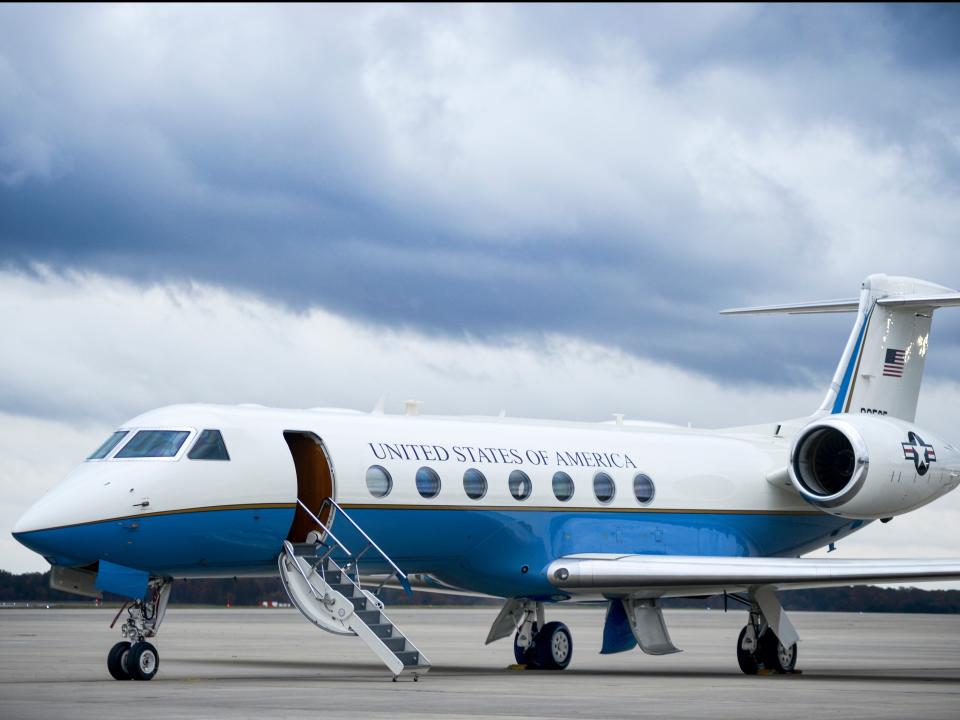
column 109, row 444
column 154, row 444
column 209, row 446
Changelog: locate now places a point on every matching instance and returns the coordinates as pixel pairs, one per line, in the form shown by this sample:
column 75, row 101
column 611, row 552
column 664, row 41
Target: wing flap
column 676, row 576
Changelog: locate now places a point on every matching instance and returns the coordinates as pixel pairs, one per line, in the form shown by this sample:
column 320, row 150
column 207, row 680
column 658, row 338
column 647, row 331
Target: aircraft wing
column 653, row 576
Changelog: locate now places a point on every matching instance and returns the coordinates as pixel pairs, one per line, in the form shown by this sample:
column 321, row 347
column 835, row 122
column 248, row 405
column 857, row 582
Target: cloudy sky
column 537, row 209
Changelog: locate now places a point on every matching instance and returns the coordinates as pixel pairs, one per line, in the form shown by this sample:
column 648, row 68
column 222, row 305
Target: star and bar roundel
column 920, row 452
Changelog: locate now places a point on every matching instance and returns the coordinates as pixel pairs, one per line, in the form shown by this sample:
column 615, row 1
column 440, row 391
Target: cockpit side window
column 154, row 444
column 209, row 446
column 111, row 442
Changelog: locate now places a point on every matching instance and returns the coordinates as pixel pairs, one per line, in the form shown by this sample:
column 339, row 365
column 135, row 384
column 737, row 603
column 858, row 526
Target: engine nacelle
column 870, row 467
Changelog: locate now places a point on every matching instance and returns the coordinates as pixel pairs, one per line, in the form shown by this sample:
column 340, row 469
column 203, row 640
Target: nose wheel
column 137, row 661
column 117, row 661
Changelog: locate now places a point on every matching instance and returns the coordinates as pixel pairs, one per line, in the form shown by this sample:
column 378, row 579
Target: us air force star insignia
column 918, row 451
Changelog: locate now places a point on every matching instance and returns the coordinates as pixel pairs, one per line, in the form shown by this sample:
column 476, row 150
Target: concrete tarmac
column 258, row 663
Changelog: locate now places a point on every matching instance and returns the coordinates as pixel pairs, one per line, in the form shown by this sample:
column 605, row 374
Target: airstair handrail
column 327, row 530
column 401, row 576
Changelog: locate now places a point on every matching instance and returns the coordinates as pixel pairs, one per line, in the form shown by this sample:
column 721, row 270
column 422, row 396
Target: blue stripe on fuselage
column 486, row 550
column 478, row 549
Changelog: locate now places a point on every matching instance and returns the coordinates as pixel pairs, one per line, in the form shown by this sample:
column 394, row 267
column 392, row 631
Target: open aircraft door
column 315, row 482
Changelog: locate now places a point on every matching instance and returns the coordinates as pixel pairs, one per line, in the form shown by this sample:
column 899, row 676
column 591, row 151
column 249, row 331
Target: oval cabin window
column 379, row 482
column 603, row 487
column 520, row 485
column 562, row 486
column 474, row 484
column 643, row 488
column 428, row 482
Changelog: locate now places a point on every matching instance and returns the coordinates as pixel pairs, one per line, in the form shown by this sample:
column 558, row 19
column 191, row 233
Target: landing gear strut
column 134, row 658
column 542, row 645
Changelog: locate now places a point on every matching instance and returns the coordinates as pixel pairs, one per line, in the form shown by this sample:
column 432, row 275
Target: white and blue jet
column 343, row 503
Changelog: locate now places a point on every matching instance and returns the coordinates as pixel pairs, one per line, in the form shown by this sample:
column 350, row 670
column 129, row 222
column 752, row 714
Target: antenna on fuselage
column 412, row 407
column 378, row 408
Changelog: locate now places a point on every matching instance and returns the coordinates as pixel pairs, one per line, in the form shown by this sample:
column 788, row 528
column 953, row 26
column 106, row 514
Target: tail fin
column 882, row 364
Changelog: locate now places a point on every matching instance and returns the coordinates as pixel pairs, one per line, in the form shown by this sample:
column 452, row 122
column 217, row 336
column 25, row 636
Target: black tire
column 554, row 646
column 746, row 659
column 143, row 661
column 775, row 656
column 116, row 661
column 525, row 656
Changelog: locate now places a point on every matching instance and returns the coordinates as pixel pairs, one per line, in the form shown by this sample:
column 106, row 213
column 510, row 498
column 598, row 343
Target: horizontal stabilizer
column 808, row 308
column 921, row 301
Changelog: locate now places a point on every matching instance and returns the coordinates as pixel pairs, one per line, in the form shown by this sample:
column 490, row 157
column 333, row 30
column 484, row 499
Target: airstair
column 330, row 595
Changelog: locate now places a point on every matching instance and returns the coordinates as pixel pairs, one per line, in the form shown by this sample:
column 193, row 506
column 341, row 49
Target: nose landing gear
column 139, row 659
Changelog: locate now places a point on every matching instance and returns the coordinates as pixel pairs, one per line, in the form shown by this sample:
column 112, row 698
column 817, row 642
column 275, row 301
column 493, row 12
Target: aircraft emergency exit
column 538, row 513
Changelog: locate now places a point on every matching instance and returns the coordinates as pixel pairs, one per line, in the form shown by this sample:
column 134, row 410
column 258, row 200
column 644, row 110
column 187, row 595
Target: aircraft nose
column 48, row 526
column 30, row 532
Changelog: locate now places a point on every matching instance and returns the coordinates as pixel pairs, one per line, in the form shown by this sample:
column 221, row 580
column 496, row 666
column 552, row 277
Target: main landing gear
column 759, row 650
column 542, row 645
column 134, row 658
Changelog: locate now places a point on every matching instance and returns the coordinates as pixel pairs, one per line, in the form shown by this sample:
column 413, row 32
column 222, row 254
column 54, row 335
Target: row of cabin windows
column 164, row 444
column 380, row 483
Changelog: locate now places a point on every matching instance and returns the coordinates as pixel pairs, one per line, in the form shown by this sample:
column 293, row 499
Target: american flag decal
column 893, row 363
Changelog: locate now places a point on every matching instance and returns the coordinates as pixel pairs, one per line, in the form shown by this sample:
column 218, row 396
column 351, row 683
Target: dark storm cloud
column 492, row 171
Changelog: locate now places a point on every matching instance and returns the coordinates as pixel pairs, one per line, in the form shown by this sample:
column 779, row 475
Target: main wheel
column 775, row 656
column 143, row 661
column 554, row 646
column 117, row 661
column 525, row 656
column 747, row 659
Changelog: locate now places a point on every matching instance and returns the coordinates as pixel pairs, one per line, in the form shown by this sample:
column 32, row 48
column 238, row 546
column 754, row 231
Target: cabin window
column 474, row 484
column 209, row 446
column 154, row 444
column 562, row 486
column 603, row 487
column 520, row 485
column 379, row 482
column 109, row 444
column 643, row 488
column 428, row 482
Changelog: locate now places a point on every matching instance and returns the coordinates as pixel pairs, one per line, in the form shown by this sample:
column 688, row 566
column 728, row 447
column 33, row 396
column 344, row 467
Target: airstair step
column 382, row 630
column 359, row 603
column 408, row 657
column 396, row 644
column 304, row 550
column 369, row 617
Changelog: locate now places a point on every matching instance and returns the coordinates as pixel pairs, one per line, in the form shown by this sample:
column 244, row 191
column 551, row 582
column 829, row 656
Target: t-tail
column 882, row 364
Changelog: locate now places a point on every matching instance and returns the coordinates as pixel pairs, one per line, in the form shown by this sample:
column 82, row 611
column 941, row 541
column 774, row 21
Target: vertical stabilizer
column 882, row 364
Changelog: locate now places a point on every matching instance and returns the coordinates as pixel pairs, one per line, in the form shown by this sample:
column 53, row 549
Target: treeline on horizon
column 35, row 587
